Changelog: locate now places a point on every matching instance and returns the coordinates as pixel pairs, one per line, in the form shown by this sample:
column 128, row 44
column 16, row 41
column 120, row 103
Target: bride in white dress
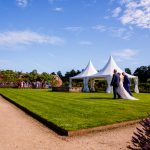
column 122, row 92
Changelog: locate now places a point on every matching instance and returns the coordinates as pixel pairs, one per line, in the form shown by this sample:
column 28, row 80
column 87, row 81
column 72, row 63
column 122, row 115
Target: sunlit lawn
column 72, row 111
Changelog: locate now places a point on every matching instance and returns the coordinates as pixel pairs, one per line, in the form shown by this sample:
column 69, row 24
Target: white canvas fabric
column 85, row 74
column 107, row 72
column 88, row 71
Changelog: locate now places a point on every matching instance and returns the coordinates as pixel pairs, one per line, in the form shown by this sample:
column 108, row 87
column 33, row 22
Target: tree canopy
column 142, row 72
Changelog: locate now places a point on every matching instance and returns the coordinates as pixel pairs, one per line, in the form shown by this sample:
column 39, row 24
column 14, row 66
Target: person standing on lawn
column 115, row 83
column 126, row 83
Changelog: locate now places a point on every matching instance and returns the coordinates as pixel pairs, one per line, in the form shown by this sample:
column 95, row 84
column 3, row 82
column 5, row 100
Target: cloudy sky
column 52, row 35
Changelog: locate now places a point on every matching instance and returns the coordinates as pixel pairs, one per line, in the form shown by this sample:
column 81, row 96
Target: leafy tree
column 127, row 70
column 33, row 75
column 70, row 74
column 46, row 77
column 9, row 76
column 60, row 74
column 143, row 73
column 53, row 73
column 34, row 71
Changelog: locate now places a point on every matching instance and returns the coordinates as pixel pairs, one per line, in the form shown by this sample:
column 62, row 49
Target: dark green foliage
column 13, row 76
column 69, row 74
column 60, row 74
column 127, row 70
column 45, row 77
column 143, row 73
column 9, row 75
column 141, row 138
column 148, row 80
column 33, row 76
column 100, row 85
column 53, row 73
column 144, row 87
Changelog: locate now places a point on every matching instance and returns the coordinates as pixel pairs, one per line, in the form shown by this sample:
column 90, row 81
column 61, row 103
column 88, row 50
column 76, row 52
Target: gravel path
column 18, row 131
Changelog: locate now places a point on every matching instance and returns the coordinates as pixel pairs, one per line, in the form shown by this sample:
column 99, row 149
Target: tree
column 127, row 70
column 143, row 73
column 53, row 73
column 9, row 75
column 70, row 74
column 60, row 74
column 46, row 77
column 33, row 75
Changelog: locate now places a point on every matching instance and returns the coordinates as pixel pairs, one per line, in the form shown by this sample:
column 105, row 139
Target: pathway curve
column 18, row 131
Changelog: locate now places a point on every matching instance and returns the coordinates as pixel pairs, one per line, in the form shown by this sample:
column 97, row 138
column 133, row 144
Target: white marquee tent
column 107, row 72
column 85, row 74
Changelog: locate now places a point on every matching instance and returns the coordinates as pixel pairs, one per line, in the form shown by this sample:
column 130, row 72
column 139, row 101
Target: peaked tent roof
column 109, row 69
column 88, row 71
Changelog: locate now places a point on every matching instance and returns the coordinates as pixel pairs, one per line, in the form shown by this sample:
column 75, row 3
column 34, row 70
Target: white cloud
column 125, row 54
column 22, row 3
column 74, row 28
column 135, row 12
column 124, row 1
column 85, row 43
column 120, row 33
column 58, row 9
column 123, row 33
column 27, row 37
column 101, row 28
column 116, row 12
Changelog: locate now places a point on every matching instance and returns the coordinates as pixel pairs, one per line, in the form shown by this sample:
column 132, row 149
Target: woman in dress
column 122, row 92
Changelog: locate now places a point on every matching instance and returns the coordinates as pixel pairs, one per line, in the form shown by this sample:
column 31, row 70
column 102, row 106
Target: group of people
column 35, row 84
column 23, row 84
column 121, row 86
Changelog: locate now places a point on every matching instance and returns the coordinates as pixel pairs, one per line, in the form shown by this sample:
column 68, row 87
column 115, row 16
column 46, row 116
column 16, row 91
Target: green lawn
column 72, row 111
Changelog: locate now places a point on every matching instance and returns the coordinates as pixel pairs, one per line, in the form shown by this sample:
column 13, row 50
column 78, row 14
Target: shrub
column 100, row 85
column 141, row 138
column 144, row 87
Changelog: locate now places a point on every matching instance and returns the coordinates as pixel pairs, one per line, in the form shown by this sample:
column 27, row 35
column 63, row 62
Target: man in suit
column 126, row 83
column 115, row 83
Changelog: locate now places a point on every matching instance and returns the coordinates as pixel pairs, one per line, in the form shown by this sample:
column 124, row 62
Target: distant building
column 56, row 81
column 1, row 77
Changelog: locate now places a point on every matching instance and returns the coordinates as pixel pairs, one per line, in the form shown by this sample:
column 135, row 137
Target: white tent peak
column 109, row 67
column 107, row 72
column 88, row 71
column 111, row 63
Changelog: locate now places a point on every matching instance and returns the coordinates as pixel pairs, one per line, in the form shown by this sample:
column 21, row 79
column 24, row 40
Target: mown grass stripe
column 72, row 111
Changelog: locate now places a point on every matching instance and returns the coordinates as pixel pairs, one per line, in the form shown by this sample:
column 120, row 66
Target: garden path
column 18, row 131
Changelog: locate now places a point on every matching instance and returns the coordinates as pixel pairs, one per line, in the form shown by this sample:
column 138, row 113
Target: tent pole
column 136, row 89
column 92, row 85
column 70, row 83
column 85, row 84
column 109, row 88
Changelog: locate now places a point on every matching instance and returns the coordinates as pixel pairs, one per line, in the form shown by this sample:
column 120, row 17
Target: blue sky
column 53, row 35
